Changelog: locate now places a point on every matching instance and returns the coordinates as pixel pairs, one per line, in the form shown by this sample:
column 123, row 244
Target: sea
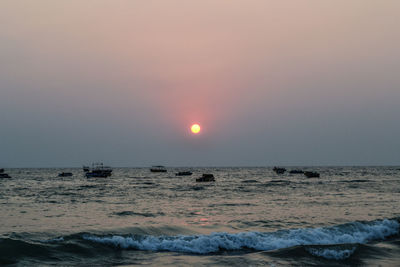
column 349, row 216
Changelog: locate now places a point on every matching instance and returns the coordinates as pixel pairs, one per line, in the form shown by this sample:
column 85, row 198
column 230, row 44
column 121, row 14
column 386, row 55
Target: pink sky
column 257, row 75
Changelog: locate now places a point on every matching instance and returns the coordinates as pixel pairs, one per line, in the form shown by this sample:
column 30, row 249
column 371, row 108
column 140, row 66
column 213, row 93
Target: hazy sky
column 270, row 82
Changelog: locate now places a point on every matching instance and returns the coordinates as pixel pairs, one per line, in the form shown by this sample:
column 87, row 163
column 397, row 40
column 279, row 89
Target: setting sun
column 195, row 128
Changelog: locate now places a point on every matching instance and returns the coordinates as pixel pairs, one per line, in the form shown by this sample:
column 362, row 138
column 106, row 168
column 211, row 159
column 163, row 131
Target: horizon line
column 213, row 166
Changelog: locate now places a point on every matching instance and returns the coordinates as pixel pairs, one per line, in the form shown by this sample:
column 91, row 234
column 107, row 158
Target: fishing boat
column 279, row 170
column 65, row 174
column 311, row 174
column 158, row 168
column 207, row 177
column 3, row 174
column 85, row 168
column 98, row 170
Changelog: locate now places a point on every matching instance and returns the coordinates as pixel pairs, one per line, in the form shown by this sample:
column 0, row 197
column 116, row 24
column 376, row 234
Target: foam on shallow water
column 332, row 254
column 351, row 233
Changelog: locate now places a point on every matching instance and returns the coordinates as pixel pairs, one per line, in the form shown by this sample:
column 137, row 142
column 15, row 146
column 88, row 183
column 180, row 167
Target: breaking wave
column 351, row 233
column 333, row 243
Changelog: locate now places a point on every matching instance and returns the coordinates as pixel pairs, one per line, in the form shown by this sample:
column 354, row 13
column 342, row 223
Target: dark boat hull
column 279, row 170
column 311, row 174
column 206, row 178
column 65, row 174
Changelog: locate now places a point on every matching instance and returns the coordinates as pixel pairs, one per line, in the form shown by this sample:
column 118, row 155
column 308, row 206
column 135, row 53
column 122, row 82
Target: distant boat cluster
column 99, row 170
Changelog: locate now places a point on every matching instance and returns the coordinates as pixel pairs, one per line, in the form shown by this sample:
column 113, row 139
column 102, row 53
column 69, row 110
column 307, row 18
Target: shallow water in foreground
column 249, row 216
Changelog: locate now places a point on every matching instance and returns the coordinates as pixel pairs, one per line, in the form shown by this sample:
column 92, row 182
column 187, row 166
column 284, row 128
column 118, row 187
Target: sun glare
column 195, row 128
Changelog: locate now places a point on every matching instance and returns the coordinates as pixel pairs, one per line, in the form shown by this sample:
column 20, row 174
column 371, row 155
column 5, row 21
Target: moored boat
column 4, row 175
column 207, row 177
column 158, row 168
column 311, row 174
column 65, row 174
column 279, row 170
column 98, row 170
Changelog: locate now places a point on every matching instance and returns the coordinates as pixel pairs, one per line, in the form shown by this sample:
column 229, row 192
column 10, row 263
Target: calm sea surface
column 248, row 217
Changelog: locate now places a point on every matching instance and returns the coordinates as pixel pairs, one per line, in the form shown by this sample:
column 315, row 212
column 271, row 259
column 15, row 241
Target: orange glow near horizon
column 195, row 128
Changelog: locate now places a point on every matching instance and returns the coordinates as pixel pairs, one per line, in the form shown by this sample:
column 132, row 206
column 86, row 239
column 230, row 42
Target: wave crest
column 351, row 233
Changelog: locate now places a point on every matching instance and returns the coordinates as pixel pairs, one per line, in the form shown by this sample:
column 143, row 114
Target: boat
column 158, row 168
column 4, row 175
column 296, row 172
column 85, row 168
column 65, row 174
column 207, row 177
column 187, row 173
column 279, row 170
column 311, row 174
column 98, row 170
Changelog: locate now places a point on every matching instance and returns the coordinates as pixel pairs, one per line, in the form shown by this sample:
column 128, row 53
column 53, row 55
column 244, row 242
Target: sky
column 270, row 82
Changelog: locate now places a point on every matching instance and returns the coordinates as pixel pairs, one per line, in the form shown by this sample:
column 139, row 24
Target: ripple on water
column 132, row 213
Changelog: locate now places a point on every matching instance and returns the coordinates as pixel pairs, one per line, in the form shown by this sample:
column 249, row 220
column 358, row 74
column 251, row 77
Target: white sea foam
column 332, row 254
column 356, row 232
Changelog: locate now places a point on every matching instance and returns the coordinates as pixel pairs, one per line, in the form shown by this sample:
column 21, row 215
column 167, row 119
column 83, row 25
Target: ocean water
column 248, row 217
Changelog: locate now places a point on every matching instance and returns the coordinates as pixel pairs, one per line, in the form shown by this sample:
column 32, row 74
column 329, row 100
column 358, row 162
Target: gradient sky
column 270, row 82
